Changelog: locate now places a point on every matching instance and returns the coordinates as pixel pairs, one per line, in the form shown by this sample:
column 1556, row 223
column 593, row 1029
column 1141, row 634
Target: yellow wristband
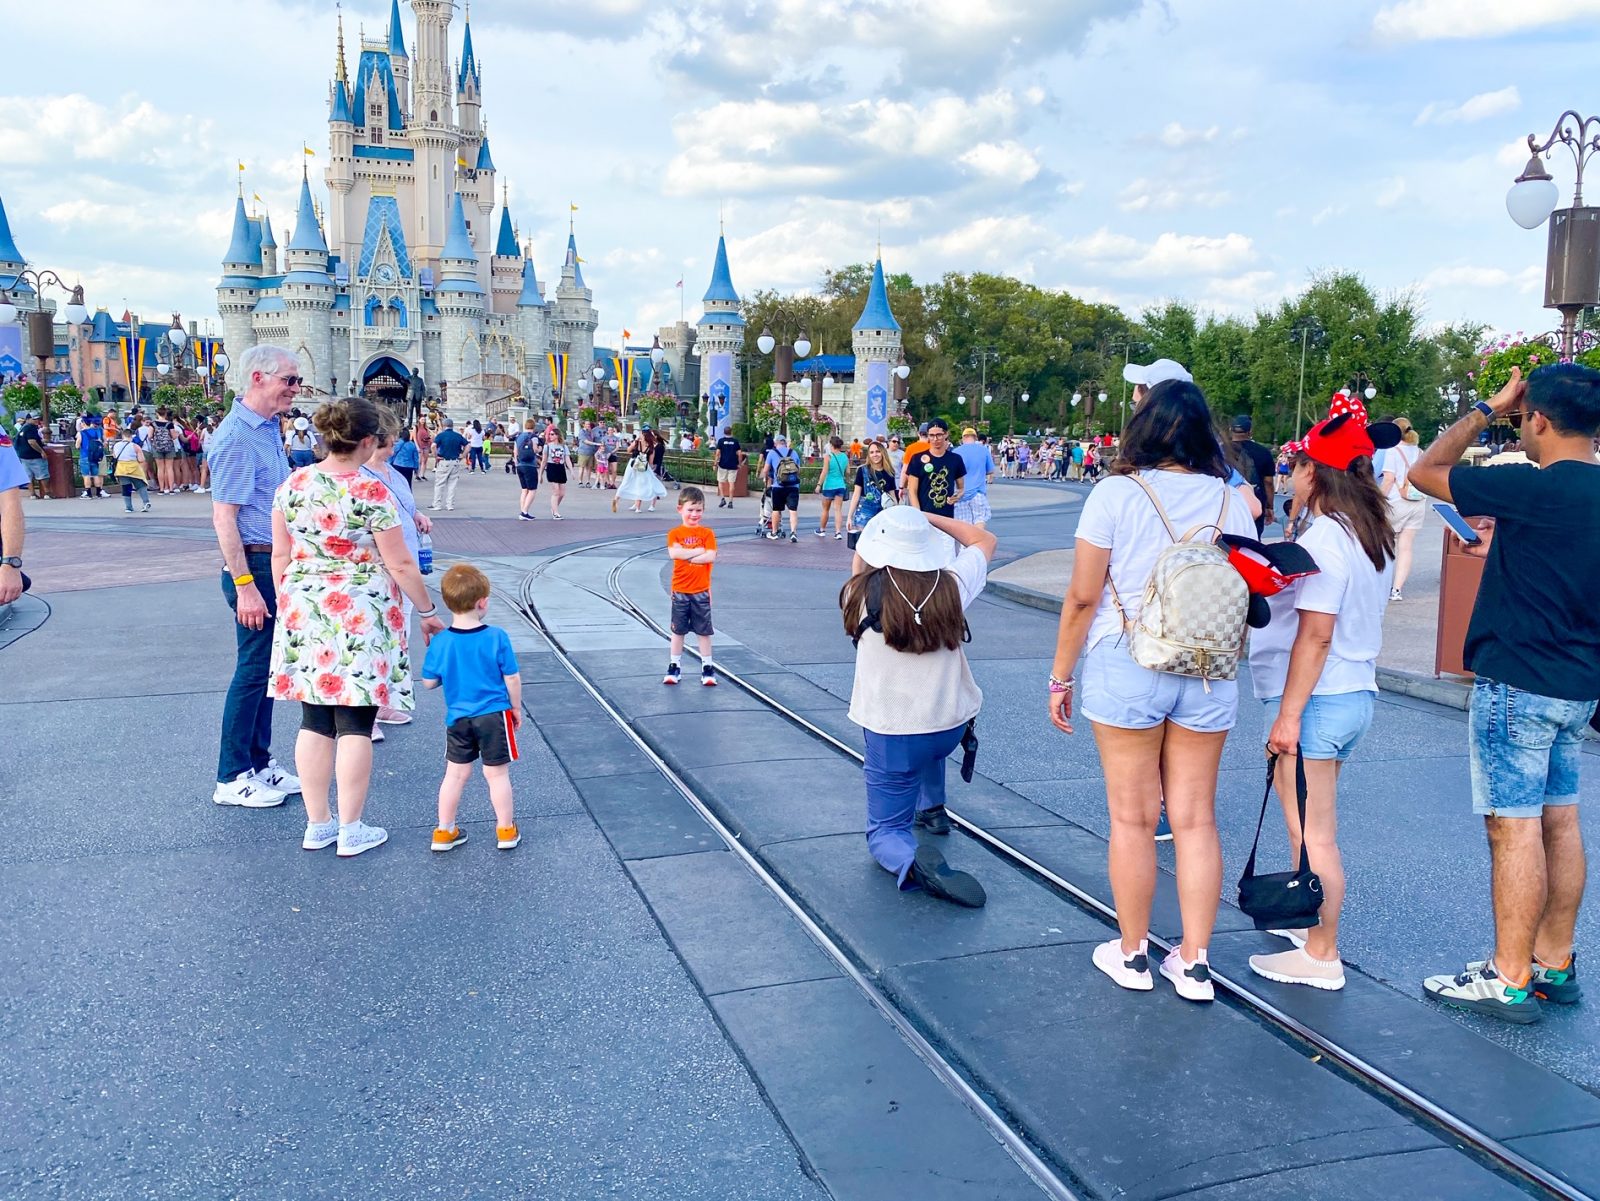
column 239, row 581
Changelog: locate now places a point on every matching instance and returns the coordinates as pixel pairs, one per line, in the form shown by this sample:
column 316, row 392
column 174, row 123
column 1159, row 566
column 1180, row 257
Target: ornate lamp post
column 1572, row 259
column 901, row 373
column 41, row 325
column 783, row 357
column 172, row 350
column 1305, row 331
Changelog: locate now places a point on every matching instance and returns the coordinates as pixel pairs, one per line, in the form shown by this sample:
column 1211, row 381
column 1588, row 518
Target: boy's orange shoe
column 447, row 840
column 509, row 836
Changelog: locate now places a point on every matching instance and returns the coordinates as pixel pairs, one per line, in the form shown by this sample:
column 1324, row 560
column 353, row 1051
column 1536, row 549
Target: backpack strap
column 1222, row 515
column 1156, row 501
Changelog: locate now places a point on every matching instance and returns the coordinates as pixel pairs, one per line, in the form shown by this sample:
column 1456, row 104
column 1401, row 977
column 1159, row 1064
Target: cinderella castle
column 412, row 280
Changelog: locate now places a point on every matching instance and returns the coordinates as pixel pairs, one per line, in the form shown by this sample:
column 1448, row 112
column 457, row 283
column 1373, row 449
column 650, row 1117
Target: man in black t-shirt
column 1534, row 645
column 30, row 450
column 933, row 480
column 729, row 456
column 1256, row 464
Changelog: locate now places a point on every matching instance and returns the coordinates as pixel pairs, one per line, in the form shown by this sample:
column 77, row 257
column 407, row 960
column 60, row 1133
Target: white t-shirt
column 899, row 693
column 1400, row 460
column 1347, row 586
column 1119, row 517
column 474, row 438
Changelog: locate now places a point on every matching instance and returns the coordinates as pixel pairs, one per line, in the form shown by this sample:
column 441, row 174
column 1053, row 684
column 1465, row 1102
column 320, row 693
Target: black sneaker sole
column 1558, row 994
column 938, row 879
column 1524, row 1014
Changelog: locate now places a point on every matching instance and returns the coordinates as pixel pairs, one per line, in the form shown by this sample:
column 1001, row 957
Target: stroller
column 764, row 522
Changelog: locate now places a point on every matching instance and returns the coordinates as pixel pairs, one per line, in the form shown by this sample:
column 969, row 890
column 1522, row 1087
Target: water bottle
column 425, row 554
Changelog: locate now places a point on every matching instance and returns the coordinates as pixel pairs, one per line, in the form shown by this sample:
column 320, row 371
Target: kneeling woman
column 1315, row 666
column 914, row 576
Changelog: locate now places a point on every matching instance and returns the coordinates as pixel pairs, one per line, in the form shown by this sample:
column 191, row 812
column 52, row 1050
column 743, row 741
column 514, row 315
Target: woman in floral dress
column 341, row 565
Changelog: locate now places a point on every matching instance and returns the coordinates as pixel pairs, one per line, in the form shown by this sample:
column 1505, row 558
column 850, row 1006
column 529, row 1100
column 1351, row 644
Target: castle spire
column 8, row 245
column 876, row 314
column 307, row 229
column 721, row 279
column 469, row 60
column 338, row 62
column 397, row 38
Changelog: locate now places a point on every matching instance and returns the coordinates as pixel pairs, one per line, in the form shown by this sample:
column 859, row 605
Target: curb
column 1452, row 693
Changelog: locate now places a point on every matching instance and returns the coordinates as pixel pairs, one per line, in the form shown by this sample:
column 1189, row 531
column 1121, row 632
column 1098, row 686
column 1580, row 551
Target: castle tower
column 269, row 246
column 340, row 174
column 505, row 266
column 461, row 301
column 307, row 292
column 574, row 320
column 875, row 339
column 469, row 89
column 721, row 332
column 236, row 293
column 533, row 324
column 398, row 62
column 432, row 131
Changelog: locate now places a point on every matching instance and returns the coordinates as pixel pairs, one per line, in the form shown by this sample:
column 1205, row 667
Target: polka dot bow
column 1343, row 403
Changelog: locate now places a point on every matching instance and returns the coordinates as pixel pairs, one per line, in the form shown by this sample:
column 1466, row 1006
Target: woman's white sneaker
column 1297, row 966
column 1191, row 980
column 355, row 838
column 320, row 834
column 1298, row 937
column 1129, row 971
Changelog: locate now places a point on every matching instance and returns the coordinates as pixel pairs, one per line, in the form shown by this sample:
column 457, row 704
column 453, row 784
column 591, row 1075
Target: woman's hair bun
column 344, row 423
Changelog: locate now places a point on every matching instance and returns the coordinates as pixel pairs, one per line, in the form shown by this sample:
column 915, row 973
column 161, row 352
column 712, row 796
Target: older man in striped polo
column 248, row 462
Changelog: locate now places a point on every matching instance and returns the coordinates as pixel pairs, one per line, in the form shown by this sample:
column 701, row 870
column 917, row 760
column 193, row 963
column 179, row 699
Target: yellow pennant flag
column 241, row 166
column 256, row 195
column 309, row 151
column 462, row 163
column 574, row 207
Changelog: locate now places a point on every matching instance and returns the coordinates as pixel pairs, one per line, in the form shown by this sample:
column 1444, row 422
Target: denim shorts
column 88, row 466
column 1331, row 725
column 833, row 493
column 1118, row 692
column 1525, row 749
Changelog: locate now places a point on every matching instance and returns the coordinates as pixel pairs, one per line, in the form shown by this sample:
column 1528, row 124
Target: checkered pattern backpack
column 1195, row 604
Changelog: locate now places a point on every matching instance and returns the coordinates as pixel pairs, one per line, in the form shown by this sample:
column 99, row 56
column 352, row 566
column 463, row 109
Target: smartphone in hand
column 1458, row 523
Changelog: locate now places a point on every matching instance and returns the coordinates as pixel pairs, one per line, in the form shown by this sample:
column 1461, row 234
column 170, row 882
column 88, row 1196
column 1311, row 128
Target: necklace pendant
column 918, row 616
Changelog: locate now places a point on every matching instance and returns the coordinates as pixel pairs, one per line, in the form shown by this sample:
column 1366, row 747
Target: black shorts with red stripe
column 488, row 736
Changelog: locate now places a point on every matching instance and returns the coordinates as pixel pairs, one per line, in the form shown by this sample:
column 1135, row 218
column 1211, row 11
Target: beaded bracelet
column 1060, row 685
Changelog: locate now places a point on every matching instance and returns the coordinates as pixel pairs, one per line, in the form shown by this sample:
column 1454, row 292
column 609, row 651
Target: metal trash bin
column 61, row 486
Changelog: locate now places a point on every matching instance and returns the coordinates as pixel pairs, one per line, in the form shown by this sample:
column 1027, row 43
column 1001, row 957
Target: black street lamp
column 41, row 324
column 1307, row 331
column 783, row 357
column 1572, row 259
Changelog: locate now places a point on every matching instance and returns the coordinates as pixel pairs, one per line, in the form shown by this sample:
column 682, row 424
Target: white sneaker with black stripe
column 247, row 792
column 1192, row 981
column 1129, row 971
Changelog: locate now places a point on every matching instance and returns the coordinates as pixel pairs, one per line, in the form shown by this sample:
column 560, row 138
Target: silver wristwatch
column 11, row 561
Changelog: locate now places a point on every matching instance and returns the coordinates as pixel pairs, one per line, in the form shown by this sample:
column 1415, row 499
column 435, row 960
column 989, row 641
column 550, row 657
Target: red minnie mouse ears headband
column 1339, row 441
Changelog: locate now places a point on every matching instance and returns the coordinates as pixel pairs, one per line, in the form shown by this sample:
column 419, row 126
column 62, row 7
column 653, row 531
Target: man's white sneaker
column 1191, row 980
column 320, row 834
column 358, row 837
column 1130, row 971
column 248, row 793
column 275, row 778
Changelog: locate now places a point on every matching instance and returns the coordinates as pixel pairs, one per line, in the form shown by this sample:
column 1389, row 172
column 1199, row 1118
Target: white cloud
column 1176, row 137
column 1483, row 278
column 1434, row 20
column 1478, row 108
column 1008, row 162
column 1156, row 196
column 1171, row 254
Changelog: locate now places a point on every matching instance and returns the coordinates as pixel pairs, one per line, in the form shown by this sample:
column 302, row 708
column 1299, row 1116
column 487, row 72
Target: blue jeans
column 904, row 774
column 1525, row 749
column 247, row 713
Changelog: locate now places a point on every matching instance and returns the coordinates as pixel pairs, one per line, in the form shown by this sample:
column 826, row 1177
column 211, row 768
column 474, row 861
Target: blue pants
column 247, row 713
column 905, row 774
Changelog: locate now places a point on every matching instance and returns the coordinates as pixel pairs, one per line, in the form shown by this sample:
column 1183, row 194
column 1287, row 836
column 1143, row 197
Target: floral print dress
column 339, row 635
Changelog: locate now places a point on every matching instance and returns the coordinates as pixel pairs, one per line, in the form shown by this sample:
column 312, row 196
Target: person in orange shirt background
column 692, row 547
column 919, row 447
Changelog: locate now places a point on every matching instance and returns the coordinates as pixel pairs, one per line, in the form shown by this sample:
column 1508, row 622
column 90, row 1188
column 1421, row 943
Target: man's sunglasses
column 294, row 381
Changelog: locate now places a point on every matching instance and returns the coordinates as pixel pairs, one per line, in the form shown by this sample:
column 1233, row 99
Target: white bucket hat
column 1151, row 374
column 901, row 536
column 300, row 423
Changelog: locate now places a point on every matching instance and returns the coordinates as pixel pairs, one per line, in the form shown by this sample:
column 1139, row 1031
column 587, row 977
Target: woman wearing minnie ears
column 1314, row 665
column 341, row 567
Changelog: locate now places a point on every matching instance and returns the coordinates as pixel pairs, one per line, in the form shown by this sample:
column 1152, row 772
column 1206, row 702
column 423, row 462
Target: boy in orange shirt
column 692, row 548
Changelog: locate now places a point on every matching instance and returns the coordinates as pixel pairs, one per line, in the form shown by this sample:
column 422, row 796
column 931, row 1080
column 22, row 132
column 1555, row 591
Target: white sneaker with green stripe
column 1483, row 990
column 1557, row 984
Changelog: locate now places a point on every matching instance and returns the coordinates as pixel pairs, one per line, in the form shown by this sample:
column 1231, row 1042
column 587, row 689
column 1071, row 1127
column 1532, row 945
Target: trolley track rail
column 1453, row 1127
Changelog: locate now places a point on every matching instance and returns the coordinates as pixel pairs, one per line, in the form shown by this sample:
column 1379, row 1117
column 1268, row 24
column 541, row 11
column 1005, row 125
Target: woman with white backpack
column 1155, row 615
column 1407, row 506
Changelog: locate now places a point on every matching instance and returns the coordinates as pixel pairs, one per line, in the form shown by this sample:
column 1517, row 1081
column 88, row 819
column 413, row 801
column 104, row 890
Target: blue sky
column 1217, row 151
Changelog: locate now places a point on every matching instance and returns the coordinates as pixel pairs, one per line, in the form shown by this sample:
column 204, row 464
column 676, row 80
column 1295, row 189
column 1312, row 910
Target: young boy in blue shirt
column 483, row 705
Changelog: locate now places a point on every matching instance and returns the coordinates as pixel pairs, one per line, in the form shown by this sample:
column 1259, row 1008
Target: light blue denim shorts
column 1118, row 692
column 1331, row 725
column 1525, row 749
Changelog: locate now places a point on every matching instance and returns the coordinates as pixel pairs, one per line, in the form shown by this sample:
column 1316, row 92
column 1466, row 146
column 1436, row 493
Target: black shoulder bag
column 1282, row 900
